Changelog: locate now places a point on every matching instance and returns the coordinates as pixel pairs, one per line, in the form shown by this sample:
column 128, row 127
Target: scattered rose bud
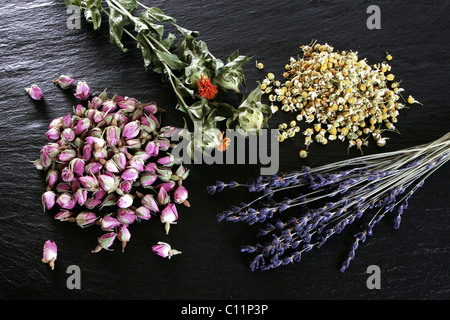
column 35, row 92
column 125, row 201
column 50, row 253
column 123, row 235
column 149, row 201
column 64, row 81
column 48, row 199
column 169, row 216
column 126, row 216
column 143, row 213
column 104, row 242
column 82, row 91
column 164, row 250
column 180, row 195
column 131, row 130
column 108, row 223
column 66, row 201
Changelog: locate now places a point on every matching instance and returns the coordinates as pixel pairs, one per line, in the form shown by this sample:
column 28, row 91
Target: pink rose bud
column 104, row 242
column 150, row 167
column 66, row 201
column 123, row 235
column 89, row 182
column 68, row 134
column 134, row 144
column 56, row 123
column 82, row 125
column 125, row 186
column 109, row 106
column 149, row 123
column 169, row 216
column 152, row 148
column 93, row 168
column 108, row 223
column 67, row 155
column 99, row 116
column 96, row 141
column 143, row 213
column 67, row 121
column 112, row 134
column 63, row 215
column 107, row 182
column 67, row 175
column 168, row 131
column 164, row 250
column 85, row 219
column 99, row 194
column 126, row 216
column 64, row 81
column 163, row 197
column 150, row 202
column 111, row 166
column 163, row 144
column 127, row 104
column 180, row 195
column 52, row 178
column 48, row 199
column 169, row 186
column 137, row 163
column 80, row 196
column 151, row 108
column 52, row 149
column 80, row 110
column 182, row 173
column 164, row 174
column 96, row 102
column 167, row 161
column 87, row 152
column 77, row 166
column 91, row 203
column 50, row 253
column 121, row 161
column 35, row 92
column 63, row 187
column 53, row 134
column 130, row 174
column 125, row 201
column 147, row 179
column 131, row 130
column 82, row 91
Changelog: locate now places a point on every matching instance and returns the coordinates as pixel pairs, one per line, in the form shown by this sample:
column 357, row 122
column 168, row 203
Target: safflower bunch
column 327, row 199
column 109, row 164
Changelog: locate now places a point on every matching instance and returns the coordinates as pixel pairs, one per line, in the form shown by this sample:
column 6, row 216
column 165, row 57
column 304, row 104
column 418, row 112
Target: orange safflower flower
column 224, row 143
column 206, row 89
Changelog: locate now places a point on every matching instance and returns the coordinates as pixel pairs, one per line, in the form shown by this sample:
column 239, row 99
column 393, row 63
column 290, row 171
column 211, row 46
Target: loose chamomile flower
column 259, row 65
column 303, row 153
column 411, row 100
column 388, row 56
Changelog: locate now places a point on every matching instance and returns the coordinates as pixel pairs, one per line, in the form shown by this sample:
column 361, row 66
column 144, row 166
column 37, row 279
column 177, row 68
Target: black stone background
column 36, row 47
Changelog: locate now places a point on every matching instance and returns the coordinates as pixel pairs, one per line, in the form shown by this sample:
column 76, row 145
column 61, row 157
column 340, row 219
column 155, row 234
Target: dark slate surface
column 36, row 47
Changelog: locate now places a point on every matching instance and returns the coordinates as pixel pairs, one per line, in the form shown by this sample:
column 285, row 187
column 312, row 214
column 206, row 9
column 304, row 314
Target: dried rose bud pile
column 109, row 164
column 340, row 95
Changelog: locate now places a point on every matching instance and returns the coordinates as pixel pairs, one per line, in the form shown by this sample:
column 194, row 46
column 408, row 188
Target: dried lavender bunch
column 336, row 195
column 109, row 164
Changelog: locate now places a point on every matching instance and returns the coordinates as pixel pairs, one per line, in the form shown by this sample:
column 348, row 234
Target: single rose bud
column 164, row 250
column 164, row 174
column 63, row 215
column 68, row 134
column 50, row 253
column 85, row 219
column 53, row 134
column 66, row 201
column 77, row 166
column 147, row 179
column 82, row 125
column 149, row 123
column 169, row 185
column 112, row 134
column 152, row 148
column 48, row 199
column 67, row 155
column 52, row 149
column 93, row 168
column 96, row 102
column 99, row 116
column 80, row 196
column 180, row 196
column 108, row 223
column 82, row 91
column 121, row 160
column 91, row 203
column 104, row 242
column 150, row 167
column 126, row 186
column 123, row 235
column 111, row 166
column 89, row 182
column 34, row 92
column 136, row 163
column 166, row 161
column 109, row 106
column 168, row 131
column 143, row 213
column 107, row 182
column 149, row 202
column 67, row 121
column 63, row 187
column 125, row 201
column 130, row 174
column 163, row 144
column 126, row 216
column 87, row 152
column 151, row 108
column 169, row 216
column 64, row 81
column 131, row 130
column 80, row 110
column 163, row 197
column 52, row 178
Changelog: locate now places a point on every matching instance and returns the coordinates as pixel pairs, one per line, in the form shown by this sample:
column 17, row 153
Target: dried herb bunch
column 338, row 95
column 200, row 81
column 329, row 198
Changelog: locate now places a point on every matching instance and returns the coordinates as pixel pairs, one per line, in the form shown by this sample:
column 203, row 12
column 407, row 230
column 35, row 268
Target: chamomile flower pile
column 338, row 96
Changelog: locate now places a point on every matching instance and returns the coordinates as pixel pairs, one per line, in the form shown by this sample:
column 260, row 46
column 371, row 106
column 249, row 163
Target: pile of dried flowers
column 329, row 198
column 200, row 81
column 109, row 164
column 339, row 96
